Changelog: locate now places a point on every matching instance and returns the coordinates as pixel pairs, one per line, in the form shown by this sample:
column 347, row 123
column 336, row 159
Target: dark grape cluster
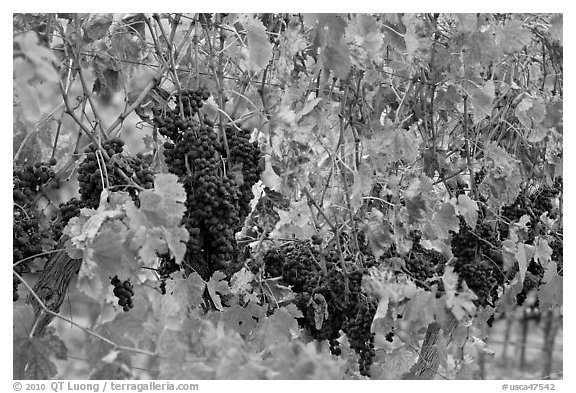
column 389, row 336
column 31, row 235
column 424, row 266
column 124, row 291
column 533, row 205
column 245, row 156
column 218, row 187
column 66, row 211
column 170, row 122
column 477, row 260
column 316, row 276
column 97, row 172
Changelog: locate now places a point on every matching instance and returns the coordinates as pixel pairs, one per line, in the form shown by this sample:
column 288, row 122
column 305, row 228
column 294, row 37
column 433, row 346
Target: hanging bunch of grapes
column 218, row 180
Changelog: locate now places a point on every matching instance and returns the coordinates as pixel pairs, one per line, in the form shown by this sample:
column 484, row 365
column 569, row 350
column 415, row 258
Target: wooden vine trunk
column 52, row 286
column 427, row 365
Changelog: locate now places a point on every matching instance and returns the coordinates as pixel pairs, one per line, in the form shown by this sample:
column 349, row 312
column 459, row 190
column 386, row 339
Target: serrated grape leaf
column 524, row 253
column 543, row 252
column 217, row 286
column 388, row 288
column 445, row 220
column 411, row 37
column 481, row 100
column 269, row 178
column 531, row 111
column 468, row 209
column 155, row 226
column 378, row 233
column 513, row 36
column 259, row 47
column 23, row 320
column 98, row 25
column 460, row 303
column 165, row 203
column 415, row 205
column 242, row 319
column 362, row 184
column 115, row 370
column 84, row 228
column 187, row 291
column 550, row 292
column 418, row 312
column 507, row 300
column 176, row 238
column 32, row 355
column 274, row 330
column 365, row 39
column 272, row 288
column 479, row 48
column 395, row 364
column 294, row 223
column 240, row 282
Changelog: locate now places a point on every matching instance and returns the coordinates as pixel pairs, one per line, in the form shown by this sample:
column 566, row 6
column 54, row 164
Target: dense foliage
column 283, row 196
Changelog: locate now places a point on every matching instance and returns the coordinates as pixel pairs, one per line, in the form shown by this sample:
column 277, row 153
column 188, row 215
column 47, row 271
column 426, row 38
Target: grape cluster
column 246, row 156
column 30, row 235
column 67, row 211
column 477, row 261
column 534, row 205
column 389, row 336
column 424, row 266
column 124, row 291
column 170, row 122
column 218, row 187
column 28, row 180
column 316, row 276
column 97, row 172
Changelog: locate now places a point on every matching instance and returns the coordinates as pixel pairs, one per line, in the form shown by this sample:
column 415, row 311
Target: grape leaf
column 417, row 311
column 388, row 288
column 269, row 177
column 378, row 233
column 531, row 111
column 513, row 36
column 468, row 209
column 551, row 290
column 98, row 25
column 242, row 319
column 445, row 220
column 415, row 205
column 508, row 254
column 240, row 282
column 507, row 300
column 482, row 101
column 259, row 47
column 187, row 291
column 460, row 303
column 543, row 252
column 395, row 364
column 294, row 223
column 362, row 184
column 276, row 329
column 32, row 356
column 523, row 255
column 365, row 40
column 217, row 286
